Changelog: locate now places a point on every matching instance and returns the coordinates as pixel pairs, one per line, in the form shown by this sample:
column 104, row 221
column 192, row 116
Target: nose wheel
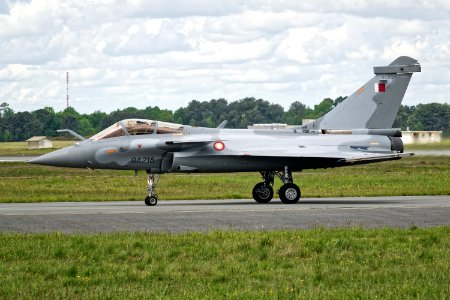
column 152, row 181
column 151, row 200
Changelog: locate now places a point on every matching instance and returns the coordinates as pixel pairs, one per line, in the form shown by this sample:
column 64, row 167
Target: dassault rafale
column 357, row 131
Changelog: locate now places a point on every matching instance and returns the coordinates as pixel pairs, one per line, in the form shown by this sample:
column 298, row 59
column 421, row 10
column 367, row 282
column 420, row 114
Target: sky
column 122, row 53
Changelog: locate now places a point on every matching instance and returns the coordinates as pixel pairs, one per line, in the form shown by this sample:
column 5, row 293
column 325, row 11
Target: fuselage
column 195, row 150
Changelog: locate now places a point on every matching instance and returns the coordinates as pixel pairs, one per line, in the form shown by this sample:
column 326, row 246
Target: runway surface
column 15, row 158
column 431, row 152
column 203, row 215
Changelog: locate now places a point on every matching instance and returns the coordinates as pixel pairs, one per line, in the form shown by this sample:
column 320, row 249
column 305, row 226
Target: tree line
column 19, row 126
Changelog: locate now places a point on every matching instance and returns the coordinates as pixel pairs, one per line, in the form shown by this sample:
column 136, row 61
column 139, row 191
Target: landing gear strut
column 152, row 181
column 289, row 192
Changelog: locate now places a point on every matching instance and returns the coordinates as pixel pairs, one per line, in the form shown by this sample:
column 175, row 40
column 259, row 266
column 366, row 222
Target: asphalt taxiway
column 203, row 215
column 15, row 158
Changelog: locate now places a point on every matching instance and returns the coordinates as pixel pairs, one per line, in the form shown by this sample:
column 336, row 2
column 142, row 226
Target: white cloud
column 160, row 52
column 396, row 9
column 29, row 19
column 136, row 42
column 181, row 8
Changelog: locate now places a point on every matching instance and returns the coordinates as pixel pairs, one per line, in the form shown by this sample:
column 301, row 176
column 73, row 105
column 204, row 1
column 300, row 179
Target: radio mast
column 67, row 89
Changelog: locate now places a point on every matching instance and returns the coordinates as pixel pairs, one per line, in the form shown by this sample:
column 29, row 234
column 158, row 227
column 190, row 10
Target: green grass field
column 21, row 148
column 443, row 145
column 21, row 182
column 311, row 264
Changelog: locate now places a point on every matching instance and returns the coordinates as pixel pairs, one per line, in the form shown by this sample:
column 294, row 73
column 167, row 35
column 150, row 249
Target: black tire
column 262, row 193
column 151, row 200
column 289, row 193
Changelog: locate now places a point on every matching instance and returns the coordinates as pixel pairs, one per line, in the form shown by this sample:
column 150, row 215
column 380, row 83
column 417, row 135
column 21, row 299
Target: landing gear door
column 167, row 162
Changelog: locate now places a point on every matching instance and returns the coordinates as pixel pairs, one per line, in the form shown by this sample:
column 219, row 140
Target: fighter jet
column 357, row 131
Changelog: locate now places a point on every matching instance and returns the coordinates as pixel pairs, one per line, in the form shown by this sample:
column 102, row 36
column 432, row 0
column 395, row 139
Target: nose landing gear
column 152, row 181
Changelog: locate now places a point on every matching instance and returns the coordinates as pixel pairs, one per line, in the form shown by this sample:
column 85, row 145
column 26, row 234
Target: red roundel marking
column 219, row 146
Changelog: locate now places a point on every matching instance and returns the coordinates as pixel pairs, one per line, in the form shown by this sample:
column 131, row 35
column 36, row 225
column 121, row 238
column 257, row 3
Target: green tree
column 24, row 126
column 431, row 116
column 403, row 115
column 195, row 114
column 249, row 111
column 295, row 113
column 85, row 127
column 205, row 114
column 218, row 111
column 121, row 114
column 155, row 113
column 96, row 120
column 48, row 119
column 178, row 115
column 69, row 119
column 6, row 114
column 21, row 125
column 320, row 109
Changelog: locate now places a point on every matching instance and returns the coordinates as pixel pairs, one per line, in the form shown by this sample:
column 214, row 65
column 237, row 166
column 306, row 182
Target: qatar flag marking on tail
column 380, row 87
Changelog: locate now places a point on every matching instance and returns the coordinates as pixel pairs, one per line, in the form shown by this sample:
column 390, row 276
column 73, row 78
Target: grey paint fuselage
column 193, row 151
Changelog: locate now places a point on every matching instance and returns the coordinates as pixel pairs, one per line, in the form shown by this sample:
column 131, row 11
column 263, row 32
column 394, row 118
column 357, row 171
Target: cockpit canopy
column 137, row 127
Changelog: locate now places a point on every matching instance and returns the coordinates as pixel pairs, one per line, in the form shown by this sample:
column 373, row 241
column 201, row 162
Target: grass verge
column 313, row 264
column 21, row 148
column 21, row 182
column 443, row 145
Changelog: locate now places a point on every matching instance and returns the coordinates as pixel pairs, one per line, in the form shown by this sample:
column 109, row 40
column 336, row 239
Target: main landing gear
column 289, row 192
column 152, row 181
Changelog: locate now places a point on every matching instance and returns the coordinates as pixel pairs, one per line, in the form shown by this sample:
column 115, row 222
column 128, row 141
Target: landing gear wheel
column 262, row 193
column 151, row 200
column 289, row 193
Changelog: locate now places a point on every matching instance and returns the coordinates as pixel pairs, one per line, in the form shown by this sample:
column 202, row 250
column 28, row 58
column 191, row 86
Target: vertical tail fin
column 375, row 104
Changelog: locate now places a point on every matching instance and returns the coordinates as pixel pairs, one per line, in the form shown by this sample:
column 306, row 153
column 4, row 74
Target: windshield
column 137, row 127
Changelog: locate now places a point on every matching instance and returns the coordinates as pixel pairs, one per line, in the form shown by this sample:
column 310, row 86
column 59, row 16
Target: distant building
column 408, row 137
column 421, row 137
column 273, row 126
column 39, row 142
column 307, row 121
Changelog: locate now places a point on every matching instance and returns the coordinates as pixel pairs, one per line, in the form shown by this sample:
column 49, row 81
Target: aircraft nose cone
column 58, row 158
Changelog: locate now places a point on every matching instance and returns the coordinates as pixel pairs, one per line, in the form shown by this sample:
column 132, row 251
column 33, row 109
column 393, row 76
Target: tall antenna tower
column 67, row 89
